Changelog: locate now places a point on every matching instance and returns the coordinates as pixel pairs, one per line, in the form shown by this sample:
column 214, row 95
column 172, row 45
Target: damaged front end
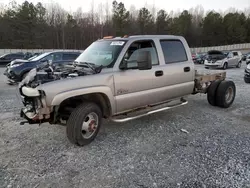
column 35, row 109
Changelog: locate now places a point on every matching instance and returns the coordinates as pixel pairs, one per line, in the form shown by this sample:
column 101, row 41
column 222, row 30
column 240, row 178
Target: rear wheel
column 211, row 93
column 84, row 124
column 225, row 94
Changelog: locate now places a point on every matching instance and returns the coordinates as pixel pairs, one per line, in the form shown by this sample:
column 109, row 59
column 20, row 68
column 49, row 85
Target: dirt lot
column 148, row 152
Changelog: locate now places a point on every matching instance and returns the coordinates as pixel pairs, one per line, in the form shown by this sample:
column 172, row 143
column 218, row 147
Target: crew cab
column 217, row 59
column 132, row 76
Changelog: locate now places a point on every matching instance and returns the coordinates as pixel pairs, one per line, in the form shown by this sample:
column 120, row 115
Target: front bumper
column 10, row 74
column 213, row 65
column 35, row 109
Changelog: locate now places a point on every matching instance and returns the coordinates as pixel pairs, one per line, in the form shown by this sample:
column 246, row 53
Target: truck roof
column 141, row 37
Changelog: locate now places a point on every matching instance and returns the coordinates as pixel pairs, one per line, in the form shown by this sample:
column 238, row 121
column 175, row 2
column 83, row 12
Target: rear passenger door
column 178, row 69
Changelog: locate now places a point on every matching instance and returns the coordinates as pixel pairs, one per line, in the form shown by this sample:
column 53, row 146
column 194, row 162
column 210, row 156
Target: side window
column 230, row 55
column 18, row 56
column 173, row 51
column 69, row 56
column 47, row 58
column 135, row 48
column 8, row 57
column 57, row 57
column 235, row 53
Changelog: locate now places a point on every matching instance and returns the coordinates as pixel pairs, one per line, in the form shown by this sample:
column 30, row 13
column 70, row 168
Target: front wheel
column 225, row 66
column 239, row 65
column 84, row 124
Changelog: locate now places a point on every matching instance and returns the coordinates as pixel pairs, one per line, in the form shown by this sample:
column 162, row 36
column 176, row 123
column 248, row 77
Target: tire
column 239, row 64
column 74, row 126
column 211, row 93
column 225, row 87
column 246, row 80
column 225, row 66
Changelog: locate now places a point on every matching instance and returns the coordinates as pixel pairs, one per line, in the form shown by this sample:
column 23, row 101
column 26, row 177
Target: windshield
column 37, row 58
column 3, row 55
column 102, row 53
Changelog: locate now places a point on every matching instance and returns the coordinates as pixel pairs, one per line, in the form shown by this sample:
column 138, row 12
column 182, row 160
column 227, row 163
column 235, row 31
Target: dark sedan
column 18, row 69
column 7, row 58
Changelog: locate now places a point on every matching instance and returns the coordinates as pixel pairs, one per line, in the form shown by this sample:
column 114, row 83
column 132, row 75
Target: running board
column 183, row 102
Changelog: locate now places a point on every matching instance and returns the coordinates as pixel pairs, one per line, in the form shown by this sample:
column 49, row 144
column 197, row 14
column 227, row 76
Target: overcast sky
column 168, row 5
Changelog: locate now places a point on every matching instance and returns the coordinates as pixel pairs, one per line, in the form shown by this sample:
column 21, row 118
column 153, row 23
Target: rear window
column 235, row 53
column 173, row 51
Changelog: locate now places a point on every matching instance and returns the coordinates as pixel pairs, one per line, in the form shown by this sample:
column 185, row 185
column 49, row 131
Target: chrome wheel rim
column 89, row 126
column 229, row 95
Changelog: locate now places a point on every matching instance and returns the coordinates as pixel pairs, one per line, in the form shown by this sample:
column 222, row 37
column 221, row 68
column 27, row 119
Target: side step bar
column 182, row 102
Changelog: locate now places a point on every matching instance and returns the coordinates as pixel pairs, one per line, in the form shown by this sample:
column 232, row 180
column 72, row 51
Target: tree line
column 29, row 26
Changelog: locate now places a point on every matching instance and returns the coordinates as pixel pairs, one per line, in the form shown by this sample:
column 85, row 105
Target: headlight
column 218, row 62
column 30, row 92
column 15, row 65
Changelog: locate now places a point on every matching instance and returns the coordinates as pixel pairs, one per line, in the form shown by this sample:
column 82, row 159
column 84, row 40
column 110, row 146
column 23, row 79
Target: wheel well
column 68, row 105
column 24, row 72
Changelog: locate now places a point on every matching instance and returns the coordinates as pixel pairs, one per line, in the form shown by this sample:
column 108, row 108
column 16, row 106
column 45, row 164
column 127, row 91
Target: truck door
column 178, row 69
column 136, row 88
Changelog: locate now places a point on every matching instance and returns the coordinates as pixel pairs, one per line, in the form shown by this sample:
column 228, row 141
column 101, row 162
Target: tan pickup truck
column 132, row 76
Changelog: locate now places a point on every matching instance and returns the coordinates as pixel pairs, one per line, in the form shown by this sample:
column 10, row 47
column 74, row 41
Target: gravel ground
column 148, row 152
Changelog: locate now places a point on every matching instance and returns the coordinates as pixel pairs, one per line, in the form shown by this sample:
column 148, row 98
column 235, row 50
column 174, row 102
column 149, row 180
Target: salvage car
column 18, row 69
column 124, row 78
column 217, row 59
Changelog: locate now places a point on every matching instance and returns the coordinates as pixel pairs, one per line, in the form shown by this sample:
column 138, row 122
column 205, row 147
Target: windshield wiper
column 92, row 66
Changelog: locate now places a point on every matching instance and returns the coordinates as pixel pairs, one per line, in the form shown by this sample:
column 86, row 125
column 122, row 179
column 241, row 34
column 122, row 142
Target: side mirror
column 144, row 60
column 124, row 65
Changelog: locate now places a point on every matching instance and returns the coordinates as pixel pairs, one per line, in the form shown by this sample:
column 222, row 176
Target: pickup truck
column 121, row 79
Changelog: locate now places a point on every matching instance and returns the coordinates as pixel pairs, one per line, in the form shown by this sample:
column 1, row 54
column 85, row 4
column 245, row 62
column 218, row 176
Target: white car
column 218, row 59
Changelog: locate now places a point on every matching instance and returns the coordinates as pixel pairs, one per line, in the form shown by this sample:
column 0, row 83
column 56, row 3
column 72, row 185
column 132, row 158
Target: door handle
column 158, row 73
column 186, row 69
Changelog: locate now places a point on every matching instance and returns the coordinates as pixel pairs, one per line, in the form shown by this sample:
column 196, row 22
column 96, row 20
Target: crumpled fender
column 59, row 98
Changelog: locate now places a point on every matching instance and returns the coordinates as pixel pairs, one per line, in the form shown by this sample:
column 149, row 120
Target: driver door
column 137, row 88
column 230, row 59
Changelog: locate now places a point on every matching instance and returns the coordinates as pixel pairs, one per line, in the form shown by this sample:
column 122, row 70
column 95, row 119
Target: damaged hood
column 215, row 55
column 18, row 61
column 43, row 75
